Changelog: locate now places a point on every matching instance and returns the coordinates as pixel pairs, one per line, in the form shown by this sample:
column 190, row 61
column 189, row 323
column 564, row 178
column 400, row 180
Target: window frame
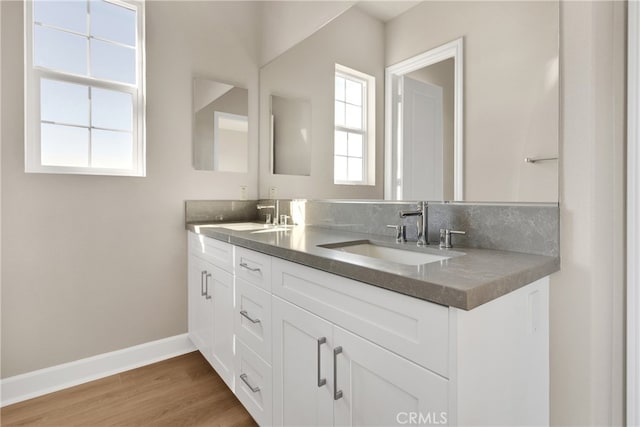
column 33, row 76
column 368, row 125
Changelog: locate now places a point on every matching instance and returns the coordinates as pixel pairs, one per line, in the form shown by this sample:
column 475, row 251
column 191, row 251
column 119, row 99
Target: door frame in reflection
column 453, row 49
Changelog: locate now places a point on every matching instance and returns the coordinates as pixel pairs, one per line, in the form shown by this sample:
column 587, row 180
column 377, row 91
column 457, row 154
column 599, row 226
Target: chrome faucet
column 423, row 222
column 276, row 212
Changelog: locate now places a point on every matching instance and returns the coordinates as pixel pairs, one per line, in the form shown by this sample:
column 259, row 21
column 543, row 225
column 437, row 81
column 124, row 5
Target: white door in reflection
column 420, row 156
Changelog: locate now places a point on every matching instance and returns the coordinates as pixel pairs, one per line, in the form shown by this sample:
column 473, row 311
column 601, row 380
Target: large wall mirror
column 501, row 107
column 220, row 126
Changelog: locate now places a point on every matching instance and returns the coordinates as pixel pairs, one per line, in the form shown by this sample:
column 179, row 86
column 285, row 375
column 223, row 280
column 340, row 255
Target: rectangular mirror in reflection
column 220, row 127
column 291, row 136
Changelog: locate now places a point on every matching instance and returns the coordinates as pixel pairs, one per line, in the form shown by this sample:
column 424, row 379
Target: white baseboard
column 43, row 381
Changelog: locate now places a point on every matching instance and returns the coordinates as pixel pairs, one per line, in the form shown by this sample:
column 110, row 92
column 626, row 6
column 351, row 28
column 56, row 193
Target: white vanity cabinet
column 314, row 348
column 210, row 299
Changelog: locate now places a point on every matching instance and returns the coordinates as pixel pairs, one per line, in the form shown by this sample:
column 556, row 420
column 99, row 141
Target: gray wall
column 93, row 264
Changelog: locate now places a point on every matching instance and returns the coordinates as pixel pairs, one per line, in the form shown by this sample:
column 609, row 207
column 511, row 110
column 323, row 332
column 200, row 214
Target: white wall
column 286, row 23
column 587, row 310
column 510, row 89
column 355, row 40
column 92, row 263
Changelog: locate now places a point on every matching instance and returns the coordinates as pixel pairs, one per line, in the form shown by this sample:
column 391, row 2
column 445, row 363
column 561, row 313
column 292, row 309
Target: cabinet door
column 380, row 388
column 200, row 317
column 302, row 375
column 219, row 297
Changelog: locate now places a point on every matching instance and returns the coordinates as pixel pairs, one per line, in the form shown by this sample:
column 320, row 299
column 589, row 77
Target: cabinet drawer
column 214, row 251
column 254, row 267
column 253, row 384
column 252, row 318
column 412, row 328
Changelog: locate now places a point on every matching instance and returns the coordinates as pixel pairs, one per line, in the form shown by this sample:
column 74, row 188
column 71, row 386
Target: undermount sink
column 252, row 227
column 240, row 226
column 397, row 255
column 273, row 229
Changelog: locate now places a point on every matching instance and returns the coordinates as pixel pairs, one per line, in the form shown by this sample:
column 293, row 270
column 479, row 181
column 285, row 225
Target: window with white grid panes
column 85, row 87
column 350, row 140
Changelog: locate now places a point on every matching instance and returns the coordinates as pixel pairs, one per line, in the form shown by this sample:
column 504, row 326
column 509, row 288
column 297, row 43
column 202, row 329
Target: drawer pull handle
column 244, row 314
column 337, row 394
column 206, row 282
column 244, row 379
column 245, row 265
column 202, row 291
column 321, row 381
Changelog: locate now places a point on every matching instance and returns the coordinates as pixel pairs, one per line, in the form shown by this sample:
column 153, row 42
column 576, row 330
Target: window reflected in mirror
column 220, row 127
column 354, row 123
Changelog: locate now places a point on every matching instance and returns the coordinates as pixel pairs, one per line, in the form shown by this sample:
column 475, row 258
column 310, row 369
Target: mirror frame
column 453, row 49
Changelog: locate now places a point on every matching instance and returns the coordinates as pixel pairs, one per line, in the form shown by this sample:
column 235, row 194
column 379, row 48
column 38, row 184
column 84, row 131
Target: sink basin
column 239, row 226
column 397, row 255
column 274, row 229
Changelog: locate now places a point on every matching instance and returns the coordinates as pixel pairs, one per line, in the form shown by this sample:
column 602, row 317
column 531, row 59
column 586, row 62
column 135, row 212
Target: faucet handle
column 283, row 219
column 401, row 232
column 445, row 237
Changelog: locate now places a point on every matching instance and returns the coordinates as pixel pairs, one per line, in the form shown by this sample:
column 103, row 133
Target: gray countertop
column 469, row 278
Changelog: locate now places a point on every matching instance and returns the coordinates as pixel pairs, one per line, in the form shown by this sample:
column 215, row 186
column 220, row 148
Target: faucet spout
column 276, row 211
column 422, row 212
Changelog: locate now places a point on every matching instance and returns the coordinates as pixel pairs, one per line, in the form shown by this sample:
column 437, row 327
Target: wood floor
column 183, row 391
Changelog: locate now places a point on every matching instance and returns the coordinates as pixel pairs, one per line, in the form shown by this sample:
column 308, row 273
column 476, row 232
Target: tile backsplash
column 220, row 210
column 529, row 228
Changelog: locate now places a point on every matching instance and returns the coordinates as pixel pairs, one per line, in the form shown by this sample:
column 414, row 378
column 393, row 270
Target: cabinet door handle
column 321, row 381
column 206, row 282
column 244, row 314
column 337, row 394
column 245, row 265
column 202, row 291
column 244, row 379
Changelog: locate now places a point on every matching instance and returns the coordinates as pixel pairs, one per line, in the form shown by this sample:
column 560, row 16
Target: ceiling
column 385, row 10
